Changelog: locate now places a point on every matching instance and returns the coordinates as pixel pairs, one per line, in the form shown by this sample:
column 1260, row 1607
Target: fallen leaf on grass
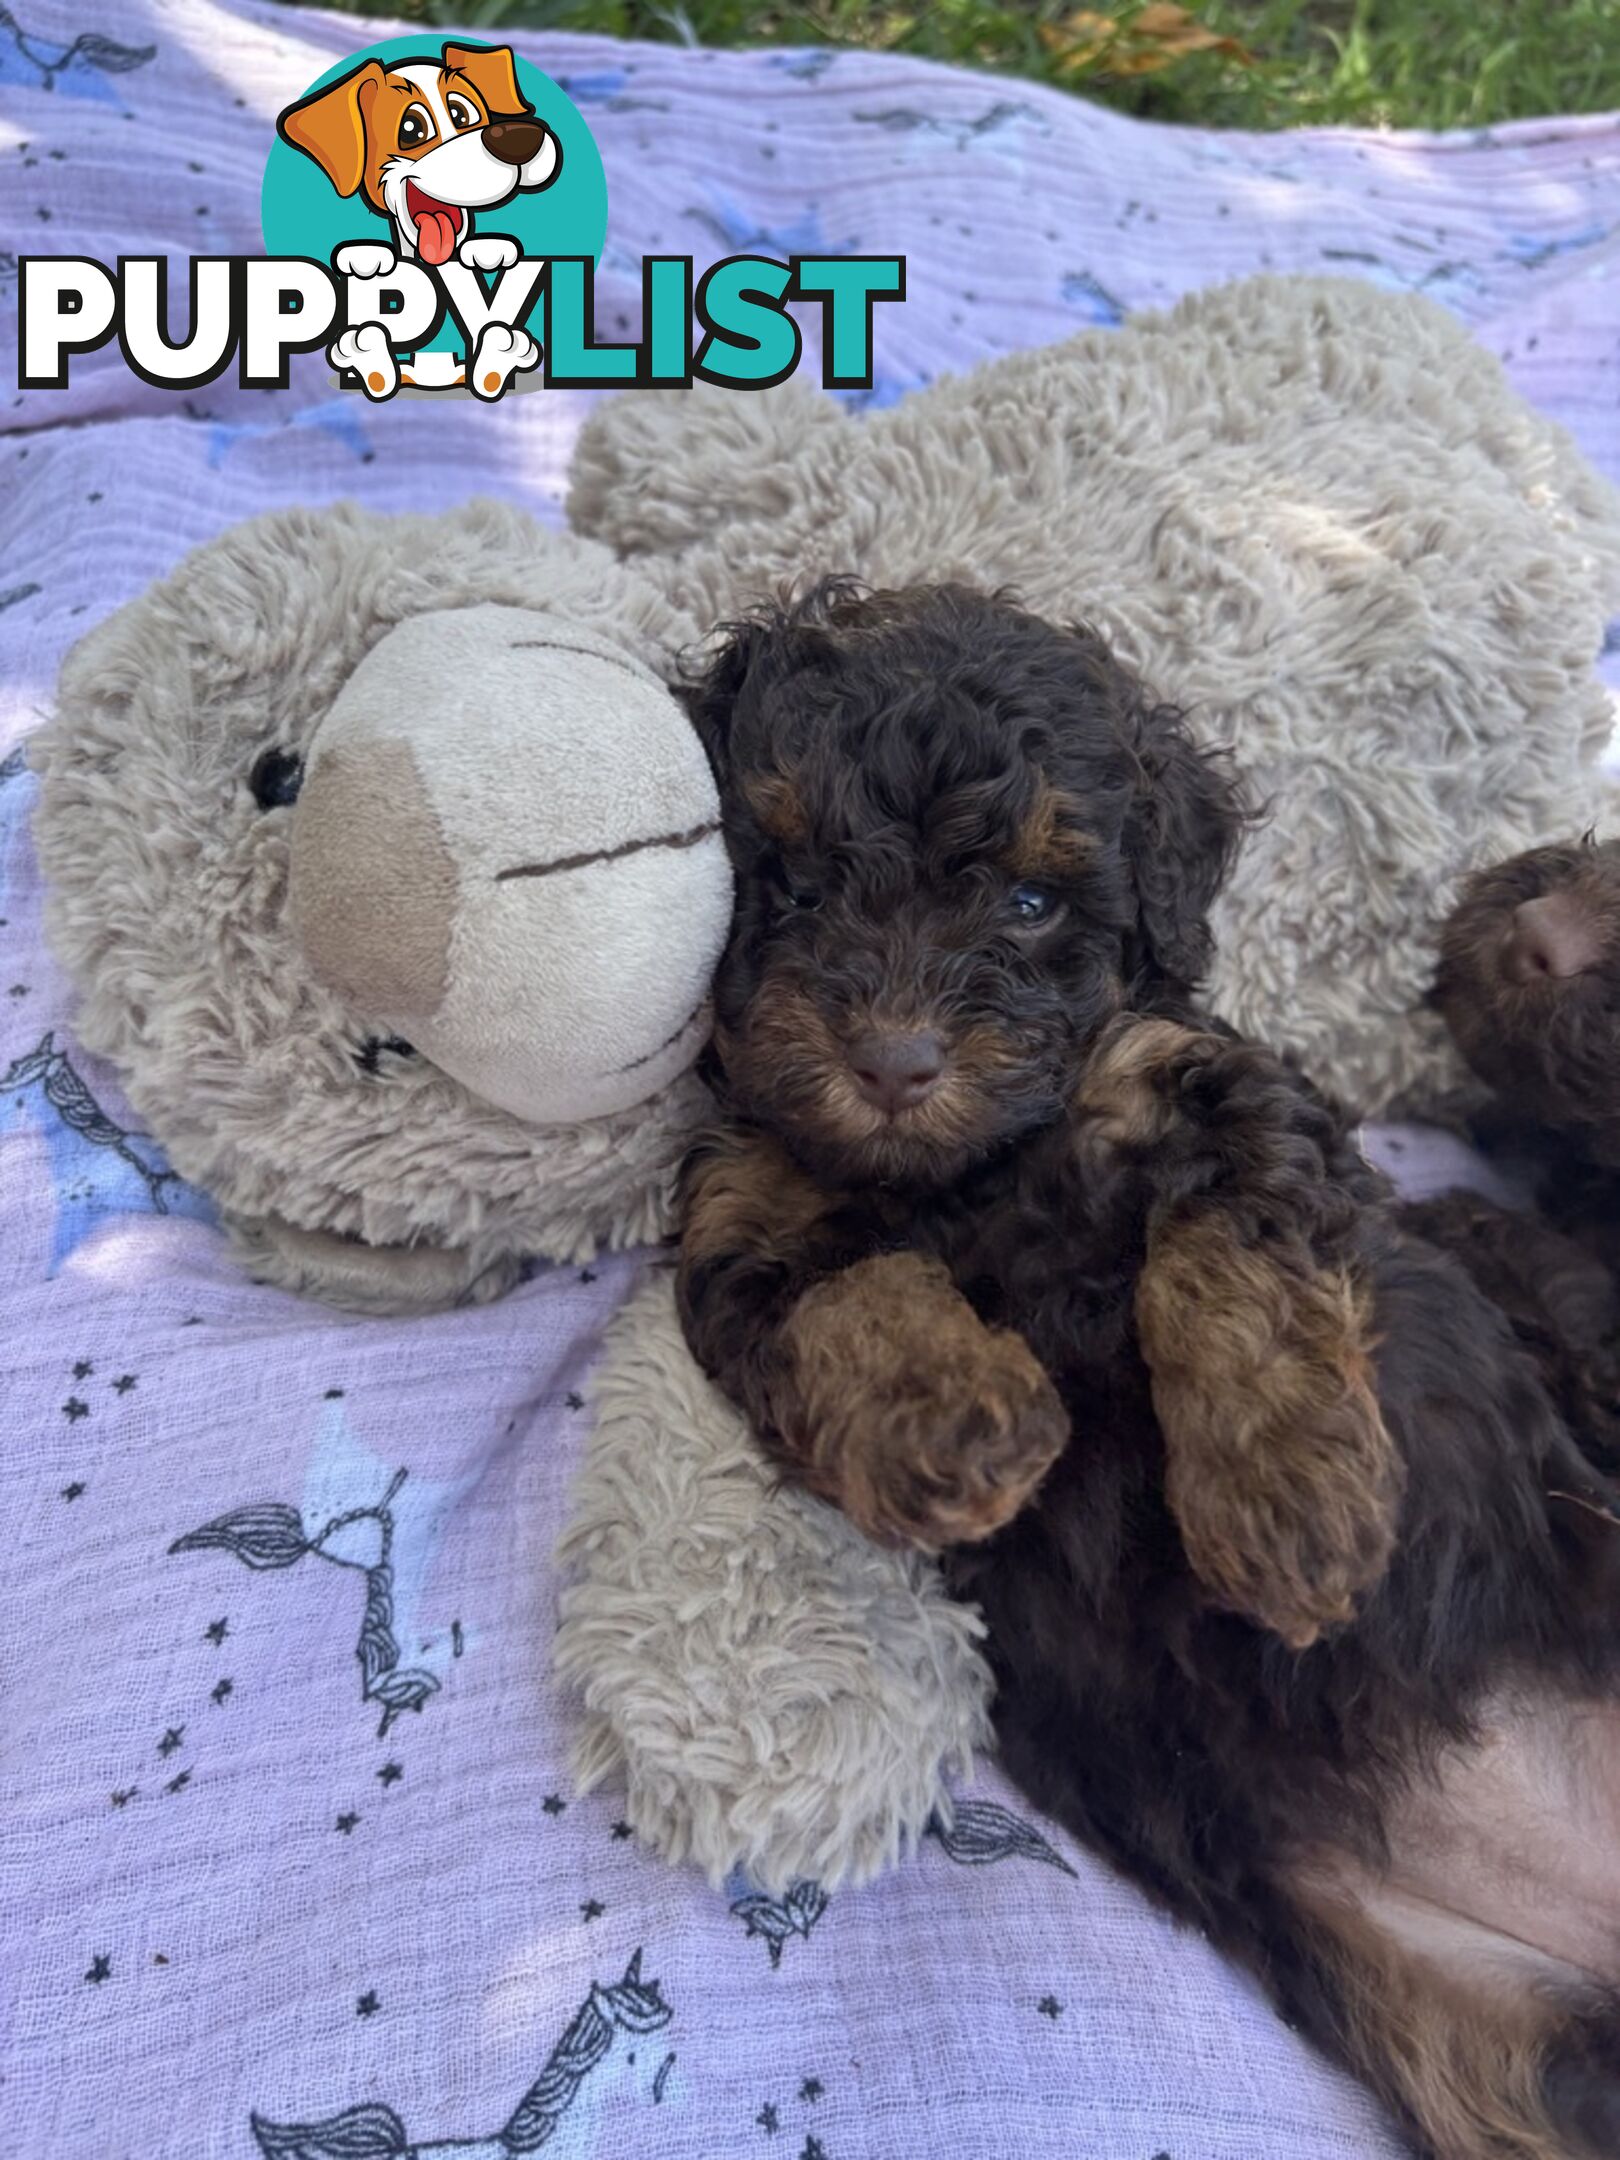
column 1161, row 34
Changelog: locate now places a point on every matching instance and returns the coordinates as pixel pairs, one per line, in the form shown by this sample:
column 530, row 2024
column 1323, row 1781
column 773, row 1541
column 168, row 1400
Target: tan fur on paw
column 925, row 1426
column 1280, row 1470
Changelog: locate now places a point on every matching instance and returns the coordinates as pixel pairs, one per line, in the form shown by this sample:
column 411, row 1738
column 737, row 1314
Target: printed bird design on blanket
column 77, row 70
column 373, row 2131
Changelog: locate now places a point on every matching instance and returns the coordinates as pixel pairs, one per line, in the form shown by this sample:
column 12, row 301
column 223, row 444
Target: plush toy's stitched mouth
column 687, row 839
column 438, row 224
column 691, row 1020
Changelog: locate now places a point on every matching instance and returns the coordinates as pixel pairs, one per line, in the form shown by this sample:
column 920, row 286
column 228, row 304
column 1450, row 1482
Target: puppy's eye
column 416, row 127
column 276, row 777
column 798, row 895
column 1031, row 904
column 462, row 114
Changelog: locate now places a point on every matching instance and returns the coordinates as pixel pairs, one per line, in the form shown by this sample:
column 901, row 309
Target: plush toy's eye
column 370, row 1054
column 1031, row 904
column 416, row 128
column 276, row 777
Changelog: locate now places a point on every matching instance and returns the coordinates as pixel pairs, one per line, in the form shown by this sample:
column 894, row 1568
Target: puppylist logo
column 433, row 217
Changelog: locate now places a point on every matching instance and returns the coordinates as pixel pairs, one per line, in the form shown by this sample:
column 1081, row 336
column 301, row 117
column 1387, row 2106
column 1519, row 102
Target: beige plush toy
column 351, row 797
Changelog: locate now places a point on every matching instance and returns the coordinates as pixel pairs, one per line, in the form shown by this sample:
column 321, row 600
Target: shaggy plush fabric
column 774, row 1691
column 308, row 1122
column 1312, row 513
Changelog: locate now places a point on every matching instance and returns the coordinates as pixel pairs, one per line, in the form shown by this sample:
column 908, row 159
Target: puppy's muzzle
column 514, row 142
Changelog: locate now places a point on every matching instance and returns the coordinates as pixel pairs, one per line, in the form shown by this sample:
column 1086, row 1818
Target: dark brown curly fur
column 1288, row 1422
column 1549, row 1045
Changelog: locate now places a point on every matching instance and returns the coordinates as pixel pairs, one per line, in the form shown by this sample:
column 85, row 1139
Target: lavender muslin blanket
column 290, row 1863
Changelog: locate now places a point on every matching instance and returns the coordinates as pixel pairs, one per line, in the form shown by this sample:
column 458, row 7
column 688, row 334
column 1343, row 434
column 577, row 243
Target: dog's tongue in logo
column 437, row 224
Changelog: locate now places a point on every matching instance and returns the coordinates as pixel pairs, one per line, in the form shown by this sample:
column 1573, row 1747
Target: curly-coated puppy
column 1528, row 983
column 1301, row 1597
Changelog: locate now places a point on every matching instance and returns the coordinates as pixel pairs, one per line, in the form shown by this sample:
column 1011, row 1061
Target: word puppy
column 1302, row 1599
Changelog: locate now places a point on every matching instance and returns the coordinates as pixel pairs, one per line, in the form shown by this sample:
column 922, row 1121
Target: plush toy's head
column 389, row 872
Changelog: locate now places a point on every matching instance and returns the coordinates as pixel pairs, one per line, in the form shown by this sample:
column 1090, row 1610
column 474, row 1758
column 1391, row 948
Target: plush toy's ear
column 493, row 74
column 1181, row 833
column 330, row 126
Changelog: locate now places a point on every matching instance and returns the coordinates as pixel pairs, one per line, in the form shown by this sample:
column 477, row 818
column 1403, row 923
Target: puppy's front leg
column 1253, row 1312
column 866, row 1373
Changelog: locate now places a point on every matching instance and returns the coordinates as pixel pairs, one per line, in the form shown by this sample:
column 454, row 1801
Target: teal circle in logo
column 322, row 194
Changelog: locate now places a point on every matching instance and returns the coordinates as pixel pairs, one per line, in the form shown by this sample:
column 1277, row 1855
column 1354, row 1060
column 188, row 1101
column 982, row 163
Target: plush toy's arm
column 865, row 1373
column 777, row 1693
column 654, row 471
column 368, row 1278
column 1254, row 1316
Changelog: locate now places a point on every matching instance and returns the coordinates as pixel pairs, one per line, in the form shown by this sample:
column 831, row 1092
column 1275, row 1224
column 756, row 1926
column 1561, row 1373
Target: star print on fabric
column 1049, row 2007
column 367, row 2005
column 553, row 1804
column 73, row 1409
column 72, row 1492
column 346, row 1823
column 811, row 2089
column 767, row 2119
column 216, row 1631
column 587, row 1275
column 100, row 1969
column 171, row 1739
column 591, row 1910
column 333, row 1394
column 83, row 1369
column 124, row 1382
column 621, row 1831
column 221, row 1689
column 125, row 1795
column 178, row 1784
column 390, row 1773
column 574, row 1399
column 813, row 2149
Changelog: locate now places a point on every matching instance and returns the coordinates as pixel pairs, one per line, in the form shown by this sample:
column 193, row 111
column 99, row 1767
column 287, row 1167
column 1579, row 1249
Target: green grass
column 1395, row 63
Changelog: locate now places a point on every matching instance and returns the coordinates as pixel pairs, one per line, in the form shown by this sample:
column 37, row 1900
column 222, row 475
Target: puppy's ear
column 751, row 651
column 493, row 74
column 330, row 127
column 1181, row 833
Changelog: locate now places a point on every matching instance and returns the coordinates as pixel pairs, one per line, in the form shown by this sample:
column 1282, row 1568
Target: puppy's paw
column 487, row 251
column 364, row 259
column 925, row 1426
column 501, row 353
column 1279, row 1468
column 365, row 351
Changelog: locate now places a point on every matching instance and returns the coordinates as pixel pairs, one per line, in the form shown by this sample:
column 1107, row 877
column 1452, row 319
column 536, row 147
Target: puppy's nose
column 514, row 142
column 897, row 1071
column 1555, row 936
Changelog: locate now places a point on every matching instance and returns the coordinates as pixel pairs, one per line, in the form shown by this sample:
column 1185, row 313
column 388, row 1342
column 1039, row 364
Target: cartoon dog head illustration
column 427, row 142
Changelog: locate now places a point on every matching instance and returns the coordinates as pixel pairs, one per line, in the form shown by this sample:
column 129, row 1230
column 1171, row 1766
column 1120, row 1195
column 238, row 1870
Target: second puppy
column 1300, row 1595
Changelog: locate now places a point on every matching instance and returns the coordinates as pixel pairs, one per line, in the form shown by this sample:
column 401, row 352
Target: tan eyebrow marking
column 1047, row 844
column 612, row 854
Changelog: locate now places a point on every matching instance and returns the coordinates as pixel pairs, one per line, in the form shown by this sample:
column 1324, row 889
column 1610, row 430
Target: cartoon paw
column 365, row 350
column 487, row 251
column 364, row 259
column 502, row 352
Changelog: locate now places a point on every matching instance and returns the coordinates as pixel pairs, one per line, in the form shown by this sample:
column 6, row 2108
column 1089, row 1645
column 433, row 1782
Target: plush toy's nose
column 374, row 883
column 514, row 142
column 1553, row 936
column 896, row 1071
